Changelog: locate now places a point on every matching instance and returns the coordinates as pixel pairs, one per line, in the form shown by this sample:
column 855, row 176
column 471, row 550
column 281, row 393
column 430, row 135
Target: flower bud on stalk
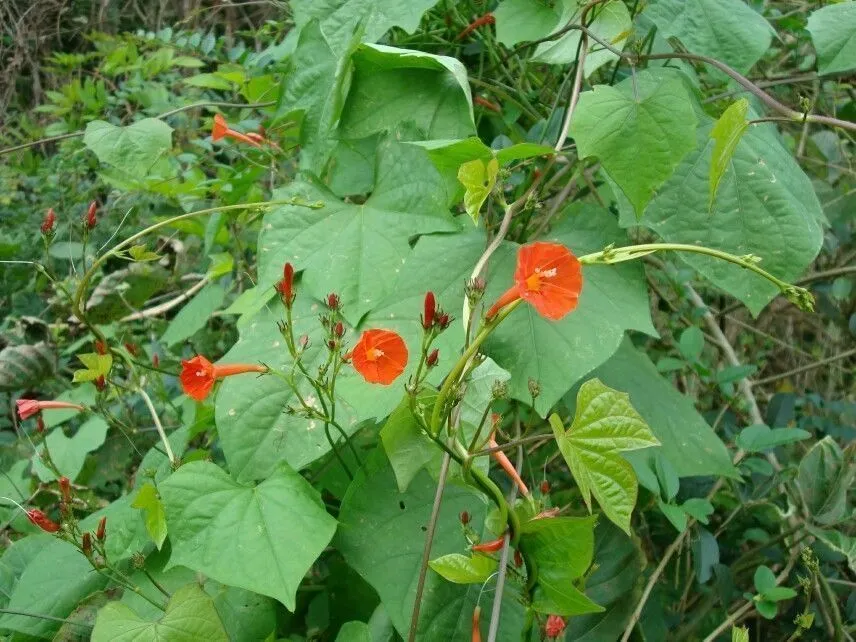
column 333, row 301
column 464, row 517
column 65, row 489
column 545, row 487
column 339, row 329
column 286, row 286
column 86, row 544
column 41, row 520
column 433, row 358
column 100, row 383
column 91, row 220
column 101, row 532
column 430, row 310
column 49, row 223
column 476, row 624
column 155, row 361
column 100, row 347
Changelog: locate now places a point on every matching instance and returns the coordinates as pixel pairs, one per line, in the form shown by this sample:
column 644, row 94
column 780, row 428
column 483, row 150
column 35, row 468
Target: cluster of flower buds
column 474, row 290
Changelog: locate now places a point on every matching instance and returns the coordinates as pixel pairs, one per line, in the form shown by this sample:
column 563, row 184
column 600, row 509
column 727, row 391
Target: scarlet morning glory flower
column 379, row 356
column 548, row 277
column 41, row 520
column 198, row 375
column 221, row 130
column 29, row 407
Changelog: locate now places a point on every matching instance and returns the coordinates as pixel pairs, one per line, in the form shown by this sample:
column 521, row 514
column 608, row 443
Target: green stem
column 795, row 294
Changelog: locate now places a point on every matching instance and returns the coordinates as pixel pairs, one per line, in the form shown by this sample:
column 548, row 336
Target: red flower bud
column 518, row 559
column 286, row 286
column 101, row 532
column 41, row 520
column 554, row 627
column 545, row 487
column 339, row 329
column 443, row 320
column 90, row 215
column 433, row 358
column 65, row 489
column 490, row 547
column 464, row 517
column 155, row 361
column 100, row 347
column 100, row 383
column 331, row 344
column 430, row 310
column 333, row 301
column 49, row 221
column 86, row 544
column 476, row 637
column 132, row 348
column 40, row 424
column 304, row 341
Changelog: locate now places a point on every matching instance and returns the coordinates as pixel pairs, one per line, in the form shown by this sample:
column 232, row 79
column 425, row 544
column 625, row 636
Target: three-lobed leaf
column 190, row 616
column 605, row 424
column 97, row 365
column 479, row 179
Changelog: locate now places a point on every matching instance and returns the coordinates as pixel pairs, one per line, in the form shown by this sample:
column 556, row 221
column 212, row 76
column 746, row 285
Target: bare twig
column 805, row 368
column 429, row 540
column 167, row 447
column 166, row 306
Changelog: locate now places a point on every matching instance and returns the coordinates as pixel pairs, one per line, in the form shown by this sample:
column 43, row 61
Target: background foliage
column 416, row 130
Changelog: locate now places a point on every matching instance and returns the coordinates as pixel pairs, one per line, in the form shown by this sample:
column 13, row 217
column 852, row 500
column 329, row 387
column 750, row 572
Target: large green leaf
column 340, row 18
column 314, row 86
column 190, row 617
column 686, row 440
column 833, row 33
column 356, row 250
column 391, row 87
column 562, row 550
column 354, row 632
column 245, row 615
column 53, row 583
column 826, row 473
column 382, row 535
column 728, row 30
column 605, row 424
column 25, row 366
column 765, row 205
column 262, row 538
column 650, row 112
column 407, row 446
column 615, row 584
column 69, row 453
column 134, row 149
column 194, row 316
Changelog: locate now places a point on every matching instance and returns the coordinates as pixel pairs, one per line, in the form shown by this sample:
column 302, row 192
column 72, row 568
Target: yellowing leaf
column 97, row 365
column 140, row 253
column 461, row 569
column 726, row 133
column 479, row 179
column 605, row 424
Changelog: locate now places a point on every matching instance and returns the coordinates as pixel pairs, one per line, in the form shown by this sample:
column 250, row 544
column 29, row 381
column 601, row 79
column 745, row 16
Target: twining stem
column 797, row 295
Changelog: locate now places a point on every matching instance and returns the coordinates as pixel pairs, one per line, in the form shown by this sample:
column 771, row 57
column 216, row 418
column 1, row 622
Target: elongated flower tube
column 41, row 520
column 548, row 277
column 503, row 460
column 198, row 375
column 221, row 130
column 49, row 222
column 29, row 407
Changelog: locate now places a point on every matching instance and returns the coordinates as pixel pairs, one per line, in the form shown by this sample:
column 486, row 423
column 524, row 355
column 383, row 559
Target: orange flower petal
column 220, row 127
column 197, row 377
column 548, row 277
column 380, row 356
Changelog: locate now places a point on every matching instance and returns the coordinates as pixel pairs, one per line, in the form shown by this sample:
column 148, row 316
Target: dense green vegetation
column 428, row 320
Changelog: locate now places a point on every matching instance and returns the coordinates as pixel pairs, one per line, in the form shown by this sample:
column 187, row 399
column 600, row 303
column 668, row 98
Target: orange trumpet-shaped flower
column 198, row 375
column 548, row 277
column 221, row 130
column 380, row 356
column 476, row 637
column 29, row 407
